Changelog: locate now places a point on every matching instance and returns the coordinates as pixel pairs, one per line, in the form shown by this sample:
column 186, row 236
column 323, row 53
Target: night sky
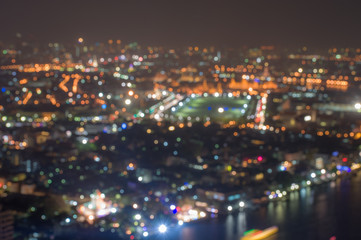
column 176, row 23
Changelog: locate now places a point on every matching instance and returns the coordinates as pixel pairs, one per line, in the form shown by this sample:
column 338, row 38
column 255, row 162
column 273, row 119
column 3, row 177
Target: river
column 316, row 212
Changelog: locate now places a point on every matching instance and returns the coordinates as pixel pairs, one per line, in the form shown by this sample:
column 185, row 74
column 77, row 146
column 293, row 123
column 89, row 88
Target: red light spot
column 132, row 237
column 260, row 158
column 178, row 209
column 344, row 159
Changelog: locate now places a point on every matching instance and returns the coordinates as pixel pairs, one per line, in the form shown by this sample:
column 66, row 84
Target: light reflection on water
column 318, row 212
column 241, row 224
column 229, row 227
column 235, row 225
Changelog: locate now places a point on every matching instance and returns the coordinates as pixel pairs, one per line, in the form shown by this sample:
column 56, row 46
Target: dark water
column 319, row 212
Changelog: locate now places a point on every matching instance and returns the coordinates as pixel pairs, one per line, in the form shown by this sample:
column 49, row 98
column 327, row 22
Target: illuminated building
column 97, row 207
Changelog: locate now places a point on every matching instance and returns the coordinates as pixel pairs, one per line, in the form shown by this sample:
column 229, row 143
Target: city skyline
column 137, row 120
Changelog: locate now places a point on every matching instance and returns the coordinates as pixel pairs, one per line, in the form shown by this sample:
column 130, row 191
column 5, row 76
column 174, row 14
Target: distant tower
column 205, row 85
column 219, row 88
column 266, row 73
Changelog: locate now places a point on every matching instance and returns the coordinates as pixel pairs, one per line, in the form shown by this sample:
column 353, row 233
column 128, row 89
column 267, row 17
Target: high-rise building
column 6, row 225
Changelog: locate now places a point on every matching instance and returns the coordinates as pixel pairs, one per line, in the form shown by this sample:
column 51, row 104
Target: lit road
column 164, row 105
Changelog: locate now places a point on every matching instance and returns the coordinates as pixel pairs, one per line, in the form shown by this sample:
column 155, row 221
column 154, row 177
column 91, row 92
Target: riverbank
column 317, row 212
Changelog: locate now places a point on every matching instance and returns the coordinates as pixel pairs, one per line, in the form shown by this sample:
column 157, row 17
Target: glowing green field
column 207, row 107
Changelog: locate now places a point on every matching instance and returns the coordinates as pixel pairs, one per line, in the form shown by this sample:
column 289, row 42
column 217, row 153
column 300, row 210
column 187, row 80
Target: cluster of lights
column 96, row 208
column 163, row 228
column 294, row 186
column 241, row 205
column 277, row 194
column 187, row 215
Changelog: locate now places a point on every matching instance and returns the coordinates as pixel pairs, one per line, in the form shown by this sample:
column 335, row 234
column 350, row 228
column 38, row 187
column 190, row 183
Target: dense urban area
column 118, row 140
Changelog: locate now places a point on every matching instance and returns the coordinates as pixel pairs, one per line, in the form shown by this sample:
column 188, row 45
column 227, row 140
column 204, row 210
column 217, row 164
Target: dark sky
column 184, row 22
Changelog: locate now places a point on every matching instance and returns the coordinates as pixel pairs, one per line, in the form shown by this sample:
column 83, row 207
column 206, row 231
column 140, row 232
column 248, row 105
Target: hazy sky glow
column 159, row 22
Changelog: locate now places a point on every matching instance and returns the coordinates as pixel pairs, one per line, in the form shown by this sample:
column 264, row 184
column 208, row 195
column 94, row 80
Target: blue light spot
column 209, row 108
column 3, row 89
column 174, row 211
column 226, row 109
column 104, row 106
column 343, row 168
column 124, row 125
